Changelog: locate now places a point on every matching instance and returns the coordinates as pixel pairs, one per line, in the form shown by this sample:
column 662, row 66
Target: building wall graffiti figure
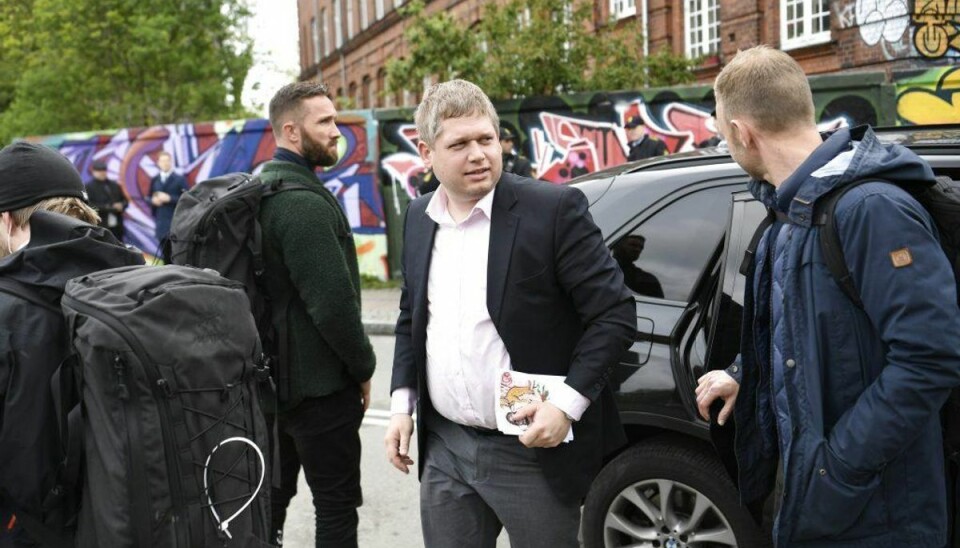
column 937, row 27
column 933, row 97
column 206, row 150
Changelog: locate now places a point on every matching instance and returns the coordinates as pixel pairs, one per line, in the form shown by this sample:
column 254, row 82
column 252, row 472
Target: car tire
column 699, row 489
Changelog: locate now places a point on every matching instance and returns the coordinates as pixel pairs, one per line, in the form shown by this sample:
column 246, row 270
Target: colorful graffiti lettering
column 206, row 150
column 403, row 166
column 937, row 23
column 932, row 98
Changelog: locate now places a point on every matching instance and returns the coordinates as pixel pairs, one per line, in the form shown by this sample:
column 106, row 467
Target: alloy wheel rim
column 662, row 513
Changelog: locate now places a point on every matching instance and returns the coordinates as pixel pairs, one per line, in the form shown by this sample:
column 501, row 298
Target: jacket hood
column 846, row 156
column 62, row 248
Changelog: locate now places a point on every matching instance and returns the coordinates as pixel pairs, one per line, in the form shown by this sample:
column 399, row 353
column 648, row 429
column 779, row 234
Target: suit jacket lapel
column 420, row 251
column 503, row 229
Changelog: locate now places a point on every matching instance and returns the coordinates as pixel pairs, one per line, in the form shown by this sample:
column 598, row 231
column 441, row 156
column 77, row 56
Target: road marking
column 379, row 417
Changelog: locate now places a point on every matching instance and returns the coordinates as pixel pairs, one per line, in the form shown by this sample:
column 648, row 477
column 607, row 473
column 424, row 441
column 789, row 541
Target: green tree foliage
column 532, row 47
column 98, row 64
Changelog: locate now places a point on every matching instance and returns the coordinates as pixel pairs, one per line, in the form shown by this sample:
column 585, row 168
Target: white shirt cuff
column 403, row 401
column 567, row 399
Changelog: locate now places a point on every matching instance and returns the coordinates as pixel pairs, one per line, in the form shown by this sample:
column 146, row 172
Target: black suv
column 678, row 226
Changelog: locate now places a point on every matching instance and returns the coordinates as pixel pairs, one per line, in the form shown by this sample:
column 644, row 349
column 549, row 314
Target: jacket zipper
column 153, row 377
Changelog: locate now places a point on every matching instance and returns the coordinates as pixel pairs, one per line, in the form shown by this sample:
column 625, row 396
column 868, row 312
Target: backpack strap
column 825, row 217
column 30, row 294
column 750, row 255
column 282, row 364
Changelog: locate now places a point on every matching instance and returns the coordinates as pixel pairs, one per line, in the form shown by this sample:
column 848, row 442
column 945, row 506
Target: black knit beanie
column 30, row 173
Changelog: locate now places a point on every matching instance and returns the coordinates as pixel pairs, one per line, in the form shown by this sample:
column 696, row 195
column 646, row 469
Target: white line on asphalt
column 379, row 417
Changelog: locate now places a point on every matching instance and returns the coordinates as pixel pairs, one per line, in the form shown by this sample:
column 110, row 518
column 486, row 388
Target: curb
column 378, row 328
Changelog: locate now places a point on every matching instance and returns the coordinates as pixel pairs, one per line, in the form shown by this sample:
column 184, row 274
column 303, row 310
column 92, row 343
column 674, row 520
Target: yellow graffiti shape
column 937, row 22
column 939, row 106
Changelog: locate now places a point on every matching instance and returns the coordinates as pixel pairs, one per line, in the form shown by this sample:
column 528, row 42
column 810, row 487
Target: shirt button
column 791, row 363
column 735, row 368
column 822, row 472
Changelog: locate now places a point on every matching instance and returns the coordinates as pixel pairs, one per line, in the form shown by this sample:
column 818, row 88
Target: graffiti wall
column 923, row 29
column 204, row 150
column 929, row 97
column 569, row 136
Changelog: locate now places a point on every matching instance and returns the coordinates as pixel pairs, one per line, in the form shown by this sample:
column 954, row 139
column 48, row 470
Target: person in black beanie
column 108, row 199
column 39, row 252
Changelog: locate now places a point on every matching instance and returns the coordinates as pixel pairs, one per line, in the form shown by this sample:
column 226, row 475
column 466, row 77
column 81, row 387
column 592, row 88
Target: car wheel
column 667, row 493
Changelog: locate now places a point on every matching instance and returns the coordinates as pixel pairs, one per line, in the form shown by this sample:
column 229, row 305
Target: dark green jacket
column 311, row 259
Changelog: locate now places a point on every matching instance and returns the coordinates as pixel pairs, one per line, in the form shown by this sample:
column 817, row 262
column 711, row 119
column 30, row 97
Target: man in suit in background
column 513, row 161
column 501, row 273
column 641, row 145
column 165, row 190
column 107, row 199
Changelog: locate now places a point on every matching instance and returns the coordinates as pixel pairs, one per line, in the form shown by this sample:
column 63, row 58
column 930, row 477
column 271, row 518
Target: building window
column 349, row 19
column 338, row 21
column 325, row 31
column 378, row 7
column 381, row 94
column 364, row 15
column 315, row 31
column 365, row 97
column 804, row 23
column 623, row 8
column 703, row 27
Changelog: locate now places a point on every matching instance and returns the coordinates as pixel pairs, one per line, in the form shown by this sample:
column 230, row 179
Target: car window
column 664, row 256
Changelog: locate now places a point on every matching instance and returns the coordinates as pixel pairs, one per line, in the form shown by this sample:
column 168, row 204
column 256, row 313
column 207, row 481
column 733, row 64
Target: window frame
column 622, row 9
column 808, row 38
column 712, row 46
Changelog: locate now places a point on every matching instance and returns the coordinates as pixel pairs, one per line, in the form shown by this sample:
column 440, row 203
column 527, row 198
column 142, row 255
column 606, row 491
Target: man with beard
column 311, row 272
column 39, row 252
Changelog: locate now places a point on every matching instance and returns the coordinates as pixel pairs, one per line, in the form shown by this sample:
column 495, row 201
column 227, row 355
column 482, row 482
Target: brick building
column 346, row 43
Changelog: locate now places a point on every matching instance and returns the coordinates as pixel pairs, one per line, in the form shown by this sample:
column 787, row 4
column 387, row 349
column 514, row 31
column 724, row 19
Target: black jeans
column 322, row 436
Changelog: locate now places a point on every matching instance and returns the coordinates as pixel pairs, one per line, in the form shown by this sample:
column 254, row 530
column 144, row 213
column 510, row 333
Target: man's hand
column 118, row 207
column 548, row 425
column 160, row 198
column 365, row 395
column 713, row 385
column 397, row 441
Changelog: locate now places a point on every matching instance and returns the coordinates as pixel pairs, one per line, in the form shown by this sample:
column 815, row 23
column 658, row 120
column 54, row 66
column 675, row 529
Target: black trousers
column 321, row 435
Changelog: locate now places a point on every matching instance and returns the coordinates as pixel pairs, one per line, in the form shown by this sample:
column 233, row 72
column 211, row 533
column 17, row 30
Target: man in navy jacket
column 165, row 190
column 846, row 399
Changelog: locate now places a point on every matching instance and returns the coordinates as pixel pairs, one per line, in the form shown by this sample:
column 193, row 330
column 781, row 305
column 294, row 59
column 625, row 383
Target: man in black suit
column 641, row 145
column 501, row 273
column 107, row 199
column 513, row 161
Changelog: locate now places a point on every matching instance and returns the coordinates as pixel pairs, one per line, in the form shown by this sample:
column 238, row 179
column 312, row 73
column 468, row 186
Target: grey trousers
column 474, row 485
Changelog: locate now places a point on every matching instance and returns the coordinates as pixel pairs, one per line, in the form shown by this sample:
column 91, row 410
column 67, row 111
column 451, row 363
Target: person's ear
column 425, row 154
column 291, row 132
column 743, row 133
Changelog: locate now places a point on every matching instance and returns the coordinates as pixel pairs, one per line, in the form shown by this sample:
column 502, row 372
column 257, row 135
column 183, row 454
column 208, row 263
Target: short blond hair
column 767, row 86
column 65, row 205
column 453, row 99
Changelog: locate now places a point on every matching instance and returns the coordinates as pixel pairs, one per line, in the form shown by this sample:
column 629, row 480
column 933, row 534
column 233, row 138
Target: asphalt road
column 390, row 515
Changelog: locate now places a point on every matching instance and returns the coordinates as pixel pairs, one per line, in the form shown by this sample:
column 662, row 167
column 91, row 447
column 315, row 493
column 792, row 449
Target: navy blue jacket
column 853, row 394
column 174, row 186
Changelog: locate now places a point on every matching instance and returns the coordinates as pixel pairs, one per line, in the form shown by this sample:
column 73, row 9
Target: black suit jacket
column 648, row 147
column 558, row 301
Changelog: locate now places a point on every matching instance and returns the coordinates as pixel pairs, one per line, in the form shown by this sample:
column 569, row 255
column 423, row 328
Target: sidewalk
column 380, row 310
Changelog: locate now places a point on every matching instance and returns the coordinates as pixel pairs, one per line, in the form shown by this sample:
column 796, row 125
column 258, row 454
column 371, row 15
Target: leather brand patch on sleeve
column 901, row 258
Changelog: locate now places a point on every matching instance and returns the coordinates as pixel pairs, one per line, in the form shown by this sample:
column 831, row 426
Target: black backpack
column 168, row 365
column 216, row 225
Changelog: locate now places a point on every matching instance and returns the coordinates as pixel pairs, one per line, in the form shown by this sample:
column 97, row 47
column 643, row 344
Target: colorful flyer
column 516, row 391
